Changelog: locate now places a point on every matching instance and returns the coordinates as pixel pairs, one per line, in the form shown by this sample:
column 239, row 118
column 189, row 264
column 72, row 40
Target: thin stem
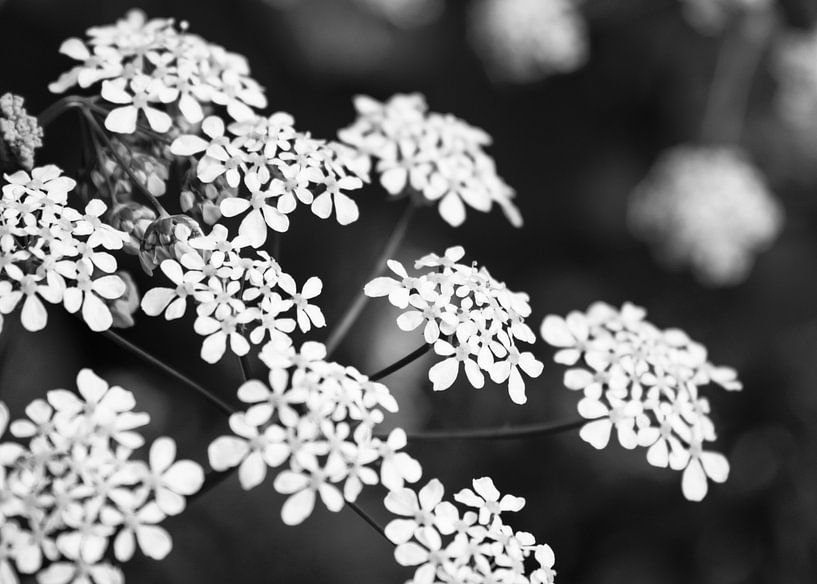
column 59, row 107
column 354, row 310
column 368, row 519
column 509, row 433
column 397, row 365
column 147, row 357
column 735, row 69
column 142, row 189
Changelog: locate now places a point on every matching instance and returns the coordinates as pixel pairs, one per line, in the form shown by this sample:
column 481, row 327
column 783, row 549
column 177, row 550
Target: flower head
column 20, row 133
column 643, row 383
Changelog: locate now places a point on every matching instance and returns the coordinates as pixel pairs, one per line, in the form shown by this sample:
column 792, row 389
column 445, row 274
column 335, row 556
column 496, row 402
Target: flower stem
column 137, row 183
column 59, row 107
column 368, row 519
column 737, row 61
column 147, row 357
column 509, row 433
column 396, row 366
column 354, row 310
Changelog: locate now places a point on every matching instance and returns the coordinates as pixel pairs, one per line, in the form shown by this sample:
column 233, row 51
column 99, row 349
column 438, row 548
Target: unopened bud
column 166, row 238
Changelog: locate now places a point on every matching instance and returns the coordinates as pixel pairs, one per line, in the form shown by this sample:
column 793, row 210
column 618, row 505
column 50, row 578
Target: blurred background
column 579, row 112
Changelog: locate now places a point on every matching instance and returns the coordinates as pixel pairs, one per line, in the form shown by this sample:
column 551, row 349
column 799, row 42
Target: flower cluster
column 261, row 168
column 644, row 383
column 20, row 133
column 523, row 41
column 711, row 16
column 709, row 208
column 795, row 67
column 317, row 417
column 471, row 319
column 73, row 492
column 50, row 251
column 159, row 70
column 436, row 157
column 236, row 297
column 471, row 544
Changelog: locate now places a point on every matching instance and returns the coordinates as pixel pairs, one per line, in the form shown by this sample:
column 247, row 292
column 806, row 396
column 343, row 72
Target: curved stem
column 125, row 166
column 59, row 107
column 354, row 310
column 397, row 365
column 147, row 357
column 509, row 433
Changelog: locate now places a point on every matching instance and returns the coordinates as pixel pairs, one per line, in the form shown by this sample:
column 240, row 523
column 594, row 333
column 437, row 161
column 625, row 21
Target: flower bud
column 166, row 238
column 124, row 307
column 134, row 219
column 20, row 134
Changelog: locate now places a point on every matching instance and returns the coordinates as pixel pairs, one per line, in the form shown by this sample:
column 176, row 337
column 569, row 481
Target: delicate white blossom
column 470, row 318
column 72, row 491
column 643, row 383
column 439, row 158
column 523, row 41
column 707, row 208
column 313, row 419
column 153, row 69
column 444, row 543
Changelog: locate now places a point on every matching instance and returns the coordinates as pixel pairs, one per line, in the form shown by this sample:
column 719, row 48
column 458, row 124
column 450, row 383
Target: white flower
column 439, row 157
column 134, row 96
column 486, row 498
column 644, row 383
column 172, row 480
column 417, row 507
column 304, row 486
column 707, row 208
column 481, row 320
column 523, row 41
column 138, row 526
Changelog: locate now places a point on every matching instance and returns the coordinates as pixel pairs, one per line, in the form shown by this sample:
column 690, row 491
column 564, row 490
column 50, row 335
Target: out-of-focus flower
column 20, row 133
column 710, row 16
column 795, row 66
column 523, row 41
column 445, row 546
column 707, row 208
column 644, row 383
column 156, row 70
column 437, row 157
column 50, row 251
column 72, row 491
column 316, row 417
column 470, row 318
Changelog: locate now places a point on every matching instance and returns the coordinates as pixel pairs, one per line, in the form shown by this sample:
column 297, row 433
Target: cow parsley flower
column 270, row 169
column 523, row 41
column 711, row 16
column 470, row 318
column 444, row 543
column 439, row 158
column 241, row 295
column 20, row 133
column 50, row 251
column 153, row 69
column 72, row 491
column 644, row 383
column 314, row 420
column 707, row 208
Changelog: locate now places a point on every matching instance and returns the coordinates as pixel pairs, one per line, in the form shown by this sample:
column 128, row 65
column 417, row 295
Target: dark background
column 573, row 147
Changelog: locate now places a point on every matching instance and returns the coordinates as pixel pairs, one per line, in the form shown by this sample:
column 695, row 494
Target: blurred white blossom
column 69, row 490
column 643, row 383
column 50, row 251
column 795, row 66
column 711, row 16
column 470, row 318
column 444, row 543
column 315, row 419
column 437, row 157
column 156, row 70
column 707, row 208
column 523, row 41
